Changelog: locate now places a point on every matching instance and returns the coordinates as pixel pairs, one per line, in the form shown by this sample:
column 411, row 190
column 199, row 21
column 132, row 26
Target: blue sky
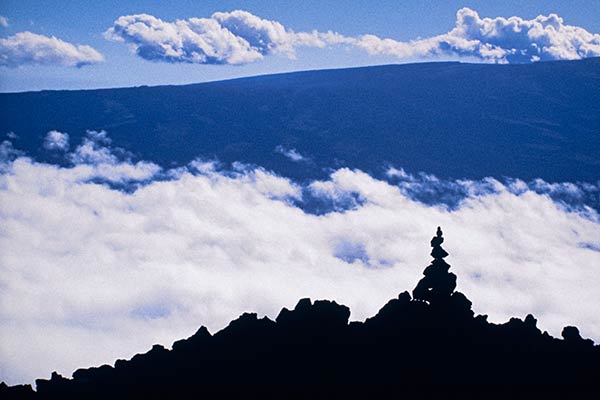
column 83, row 23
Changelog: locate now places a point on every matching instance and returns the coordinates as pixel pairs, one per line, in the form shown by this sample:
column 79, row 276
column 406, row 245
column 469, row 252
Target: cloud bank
column 26, row 48
column 239, row 37
column 91, row 273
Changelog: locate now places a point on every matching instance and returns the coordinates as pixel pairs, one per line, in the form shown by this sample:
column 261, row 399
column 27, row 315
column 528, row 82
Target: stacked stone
column 437, row 284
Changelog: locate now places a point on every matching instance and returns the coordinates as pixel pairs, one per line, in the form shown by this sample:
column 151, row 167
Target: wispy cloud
column 429, row 189
column 291, row 154
column 81, row 262
column 3, row 22
column 239, row 37
column 26, row 48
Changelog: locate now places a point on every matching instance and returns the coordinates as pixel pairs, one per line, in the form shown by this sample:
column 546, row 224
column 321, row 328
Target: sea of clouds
column 106, row 256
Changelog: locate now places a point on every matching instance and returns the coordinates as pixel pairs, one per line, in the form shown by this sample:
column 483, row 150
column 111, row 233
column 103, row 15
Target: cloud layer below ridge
column 90, row 273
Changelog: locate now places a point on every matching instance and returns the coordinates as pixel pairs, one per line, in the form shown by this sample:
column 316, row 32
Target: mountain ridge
column 251, row 77
column 307, row 71
column 453, row 120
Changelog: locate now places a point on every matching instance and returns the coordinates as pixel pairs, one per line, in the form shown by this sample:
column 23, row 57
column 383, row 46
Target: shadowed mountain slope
column 539, row 120
column 428, row 342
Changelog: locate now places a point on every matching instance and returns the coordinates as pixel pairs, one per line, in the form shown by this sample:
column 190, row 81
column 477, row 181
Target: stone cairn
column 438, row 284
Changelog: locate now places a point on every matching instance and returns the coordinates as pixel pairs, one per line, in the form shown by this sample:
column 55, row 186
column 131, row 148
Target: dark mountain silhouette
column 413, row 345
column 454, row 120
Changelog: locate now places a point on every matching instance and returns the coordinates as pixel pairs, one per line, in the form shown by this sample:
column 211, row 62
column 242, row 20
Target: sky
column 34, row 62
column 103, row 255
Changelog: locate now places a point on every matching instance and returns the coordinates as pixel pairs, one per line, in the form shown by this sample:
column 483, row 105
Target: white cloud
column 7, row 154
column 202, row 40
column 203, row 166
column 498, row 40
column 89, row 152
column 94, row 159
column 264, row 35
column 56, row 140
column 3, row 22
column 236, row 37
column 29, row 48
column 90, row 274
column 292, row 154
column 100, row 137
column 239, row 37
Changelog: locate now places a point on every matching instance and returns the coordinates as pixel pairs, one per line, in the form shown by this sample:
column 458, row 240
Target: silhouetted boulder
column 16, row 392
column 320, row 315
column 57, row 384
column 392, row 309
column 459, row 306
column 572, row 336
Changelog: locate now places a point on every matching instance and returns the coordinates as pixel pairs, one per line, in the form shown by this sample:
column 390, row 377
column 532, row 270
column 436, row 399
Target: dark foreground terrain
column 420, row 344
